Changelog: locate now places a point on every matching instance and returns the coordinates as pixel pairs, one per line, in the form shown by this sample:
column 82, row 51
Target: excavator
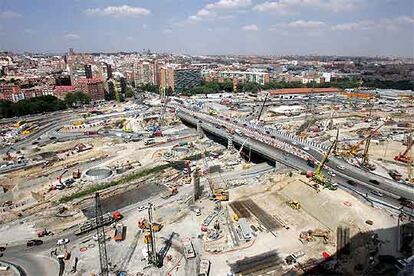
column 318, row 176
column 404, row 156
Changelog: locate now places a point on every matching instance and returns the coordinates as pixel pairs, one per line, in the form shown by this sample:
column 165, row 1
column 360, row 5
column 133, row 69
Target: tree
column 76, row 99
column 129, row 93
column 110, row 94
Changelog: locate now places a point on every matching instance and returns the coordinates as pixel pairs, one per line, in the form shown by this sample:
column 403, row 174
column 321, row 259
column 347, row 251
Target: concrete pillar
column 195, row 178
column 200, row 131
column 229, row 143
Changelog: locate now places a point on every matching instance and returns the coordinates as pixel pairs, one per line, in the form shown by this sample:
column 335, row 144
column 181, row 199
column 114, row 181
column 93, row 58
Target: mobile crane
column 404, row 156
column 318, row 176
column 353, row 151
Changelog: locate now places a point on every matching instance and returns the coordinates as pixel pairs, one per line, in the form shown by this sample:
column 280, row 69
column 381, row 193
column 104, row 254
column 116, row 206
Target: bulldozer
column 143, row 224
column 294, row 204
column 310, row 235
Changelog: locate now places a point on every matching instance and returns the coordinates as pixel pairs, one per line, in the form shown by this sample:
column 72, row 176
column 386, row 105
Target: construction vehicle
column 204, row 268
column 318, row 176
column 404, row 156
column 126, row 126
column 353, row 150
column 212, row 112
column 43, row 233
column 218, row 193
column 172, row 191
column 310, row 235
column 76, row 174
column 395, row 175
column 77, row 123
column 143, row 224
column 294, row 204
column 120, row 230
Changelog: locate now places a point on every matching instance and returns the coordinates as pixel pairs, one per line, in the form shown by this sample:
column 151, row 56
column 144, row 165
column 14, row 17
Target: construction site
column 274, row 183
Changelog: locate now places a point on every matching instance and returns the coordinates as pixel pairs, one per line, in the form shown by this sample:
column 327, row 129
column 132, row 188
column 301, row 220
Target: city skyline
column 302, row 27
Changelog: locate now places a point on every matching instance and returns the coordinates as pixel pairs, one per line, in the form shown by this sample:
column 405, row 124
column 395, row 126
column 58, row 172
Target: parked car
column 142, row 208
column 197, row 212
column 340, row 167
column 62, row 241
column 331, row 173
column 374, row 181
column 95, row 237
column 31, row 243
column 376, row 193
column 351, row 182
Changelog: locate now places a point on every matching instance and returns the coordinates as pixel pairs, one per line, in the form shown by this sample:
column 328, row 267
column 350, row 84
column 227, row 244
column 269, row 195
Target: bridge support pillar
column 229, row 143
column 200, row 131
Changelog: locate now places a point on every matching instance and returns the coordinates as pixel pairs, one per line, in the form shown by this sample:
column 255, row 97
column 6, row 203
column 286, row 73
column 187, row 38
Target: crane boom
column 325, row 158
column 261, row 109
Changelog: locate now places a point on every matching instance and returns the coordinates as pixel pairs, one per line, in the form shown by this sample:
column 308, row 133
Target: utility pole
column 103, row 258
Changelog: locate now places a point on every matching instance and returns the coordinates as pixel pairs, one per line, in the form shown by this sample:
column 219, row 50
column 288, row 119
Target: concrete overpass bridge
column 287, row 149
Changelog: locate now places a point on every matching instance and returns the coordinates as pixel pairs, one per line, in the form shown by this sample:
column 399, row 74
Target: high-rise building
column 108, row 71
column 88, row 71
column 145, row 72
column 185, row 79
column 166, row 78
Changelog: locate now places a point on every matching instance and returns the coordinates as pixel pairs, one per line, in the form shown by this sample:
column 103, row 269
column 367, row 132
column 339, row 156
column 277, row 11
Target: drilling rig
column 103, row 258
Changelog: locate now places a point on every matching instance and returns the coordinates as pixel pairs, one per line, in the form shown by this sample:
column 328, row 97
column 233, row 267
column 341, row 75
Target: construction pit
column 274, row 222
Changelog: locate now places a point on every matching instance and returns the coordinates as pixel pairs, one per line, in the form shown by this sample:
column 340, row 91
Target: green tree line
column 42, row 104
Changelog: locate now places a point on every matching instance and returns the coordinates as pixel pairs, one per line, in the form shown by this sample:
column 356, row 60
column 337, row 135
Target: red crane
column 403, row 156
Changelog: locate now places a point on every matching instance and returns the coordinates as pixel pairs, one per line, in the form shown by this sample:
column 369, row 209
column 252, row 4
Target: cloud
column 167, row 31
column 384, row 23
column 251, row 27
column 306, row 24
column 291, row 6
column 211, row 11
column 70, row 36
column 229, row 4
column 9, row 14
column 118, row 11
column 299, row 24
column 29, row 31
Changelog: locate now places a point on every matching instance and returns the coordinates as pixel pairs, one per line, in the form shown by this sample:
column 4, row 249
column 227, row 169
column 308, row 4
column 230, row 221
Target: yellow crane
column 219, row 193
column 353, row 151
column 318, row 175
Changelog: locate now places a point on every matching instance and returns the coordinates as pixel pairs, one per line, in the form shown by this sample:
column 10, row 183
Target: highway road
column 391, row 190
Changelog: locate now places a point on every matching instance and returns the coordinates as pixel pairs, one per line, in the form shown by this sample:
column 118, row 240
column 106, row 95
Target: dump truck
column 120, row 230
column 189, row 252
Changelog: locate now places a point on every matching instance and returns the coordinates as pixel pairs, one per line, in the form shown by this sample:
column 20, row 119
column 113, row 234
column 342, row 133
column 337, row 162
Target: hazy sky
column 342, row 27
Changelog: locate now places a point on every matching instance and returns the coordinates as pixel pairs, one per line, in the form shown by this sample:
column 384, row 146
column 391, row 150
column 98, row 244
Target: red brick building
column 94, row 87
column 61, row 91
column 11, row 92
